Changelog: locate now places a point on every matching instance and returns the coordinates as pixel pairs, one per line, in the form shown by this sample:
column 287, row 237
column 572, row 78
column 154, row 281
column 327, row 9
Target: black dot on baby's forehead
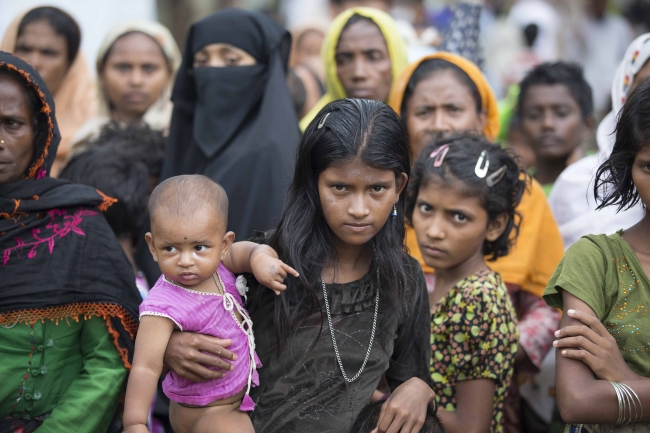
column 185, row 238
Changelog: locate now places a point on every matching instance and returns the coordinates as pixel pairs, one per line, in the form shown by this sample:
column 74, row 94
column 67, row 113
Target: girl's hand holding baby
column 269, row 270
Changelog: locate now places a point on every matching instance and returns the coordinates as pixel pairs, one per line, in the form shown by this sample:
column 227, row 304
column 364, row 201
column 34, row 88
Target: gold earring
column 2, row 141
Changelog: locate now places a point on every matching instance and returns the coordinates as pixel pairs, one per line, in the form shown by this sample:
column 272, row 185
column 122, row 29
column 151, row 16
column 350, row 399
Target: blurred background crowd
column 91, row 79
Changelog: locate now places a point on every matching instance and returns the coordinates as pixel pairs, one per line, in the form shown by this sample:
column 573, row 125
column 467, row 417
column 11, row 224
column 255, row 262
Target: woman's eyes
column 231, row 61
column 339, row 188
column 425, row 208
column 150, row 68
column 379, row 188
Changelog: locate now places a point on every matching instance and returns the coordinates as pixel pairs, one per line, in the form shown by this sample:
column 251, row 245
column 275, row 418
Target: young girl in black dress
column 359, row 309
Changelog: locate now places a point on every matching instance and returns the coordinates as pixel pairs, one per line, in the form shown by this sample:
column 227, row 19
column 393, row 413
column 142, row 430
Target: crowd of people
column 334, row 229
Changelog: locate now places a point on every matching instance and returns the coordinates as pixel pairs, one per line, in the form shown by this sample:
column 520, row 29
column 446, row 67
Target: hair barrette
column 322, row 121
column 439, row 155
column 481, row 170
column 495, row 177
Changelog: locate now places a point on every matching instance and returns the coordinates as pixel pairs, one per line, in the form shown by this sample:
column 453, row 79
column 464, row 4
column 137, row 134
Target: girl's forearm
column 588, row 400
column 139, row 395
column 453, row 422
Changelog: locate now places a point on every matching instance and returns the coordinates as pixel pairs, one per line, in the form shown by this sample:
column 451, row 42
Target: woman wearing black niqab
column 237, row 124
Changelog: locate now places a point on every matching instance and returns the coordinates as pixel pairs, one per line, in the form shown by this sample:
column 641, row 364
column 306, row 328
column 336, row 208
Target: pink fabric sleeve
column 159, row 303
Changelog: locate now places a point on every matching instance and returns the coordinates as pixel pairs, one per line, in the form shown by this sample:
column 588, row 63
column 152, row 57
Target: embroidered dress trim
column 153, row 313
column 190, row 290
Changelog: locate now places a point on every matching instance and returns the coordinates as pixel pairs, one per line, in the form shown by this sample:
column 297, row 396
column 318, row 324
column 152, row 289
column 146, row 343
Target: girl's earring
column 394, row 211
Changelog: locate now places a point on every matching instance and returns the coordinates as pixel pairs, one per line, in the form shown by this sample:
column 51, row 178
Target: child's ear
column 400, row 182
column 226, row 244
column 149, row 238
column 496, row 227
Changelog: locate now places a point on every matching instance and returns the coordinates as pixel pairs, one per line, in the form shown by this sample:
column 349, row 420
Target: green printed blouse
column 474, row 336
column 605, row 273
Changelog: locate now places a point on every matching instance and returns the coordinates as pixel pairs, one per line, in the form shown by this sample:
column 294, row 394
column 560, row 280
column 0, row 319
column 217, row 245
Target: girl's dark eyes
column 425, row 208
column 200, row 248
column 460, row 218
column 378, row 188
column 338, row 188
column 169, row 249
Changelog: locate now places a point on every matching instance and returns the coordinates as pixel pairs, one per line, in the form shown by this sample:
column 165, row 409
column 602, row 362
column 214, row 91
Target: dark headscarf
column 60, row 258
column 237, row 125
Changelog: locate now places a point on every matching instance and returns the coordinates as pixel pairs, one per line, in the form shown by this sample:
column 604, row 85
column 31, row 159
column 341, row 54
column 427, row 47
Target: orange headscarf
column 75, row 100
column 538, row 249
column 488, row 100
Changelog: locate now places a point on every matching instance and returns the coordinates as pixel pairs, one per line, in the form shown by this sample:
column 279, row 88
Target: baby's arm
column 260, row 260
column 150, row 345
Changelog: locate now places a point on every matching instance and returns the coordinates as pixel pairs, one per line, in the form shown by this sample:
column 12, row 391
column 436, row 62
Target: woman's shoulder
column 600, row 245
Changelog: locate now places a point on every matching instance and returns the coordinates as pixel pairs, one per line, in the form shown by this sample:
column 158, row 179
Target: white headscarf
column 637, row 54
column 159, row 113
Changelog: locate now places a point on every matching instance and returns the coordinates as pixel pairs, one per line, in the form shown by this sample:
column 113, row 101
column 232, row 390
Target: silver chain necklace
column 372, row 335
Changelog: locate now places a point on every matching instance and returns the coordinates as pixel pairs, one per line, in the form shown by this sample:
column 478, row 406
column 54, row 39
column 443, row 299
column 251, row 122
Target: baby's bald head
column 186, row 195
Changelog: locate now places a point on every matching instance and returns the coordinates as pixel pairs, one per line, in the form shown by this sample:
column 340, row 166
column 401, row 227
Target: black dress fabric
column 60, row 259
column 237, row 125
column 302, row 389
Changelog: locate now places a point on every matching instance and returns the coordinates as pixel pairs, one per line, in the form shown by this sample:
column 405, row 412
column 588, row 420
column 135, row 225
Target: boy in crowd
column 556, row 111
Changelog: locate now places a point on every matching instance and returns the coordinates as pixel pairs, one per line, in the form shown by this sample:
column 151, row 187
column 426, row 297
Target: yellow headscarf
column 488, row 100
column 394, row 42
column 538, row 249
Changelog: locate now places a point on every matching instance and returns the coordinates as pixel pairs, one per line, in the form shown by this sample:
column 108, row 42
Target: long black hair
column 459, row 165
column 614, row 185
column 342, row 130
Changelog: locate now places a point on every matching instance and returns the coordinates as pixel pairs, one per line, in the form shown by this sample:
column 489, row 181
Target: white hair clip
column 322, row 121
column 481, row 170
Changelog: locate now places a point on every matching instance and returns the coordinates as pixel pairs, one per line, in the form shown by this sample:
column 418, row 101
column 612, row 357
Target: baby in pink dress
column 197, row 292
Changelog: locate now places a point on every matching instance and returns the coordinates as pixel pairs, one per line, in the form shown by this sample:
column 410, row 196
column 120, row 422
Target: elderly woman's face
column 16, row 131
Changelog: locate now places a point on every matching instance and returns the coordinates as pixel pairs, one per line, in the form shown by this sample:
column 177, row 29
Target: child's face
column 188, row 249
column 451, row 227
column 552, row 121
column 641, row 174
column 357, row 199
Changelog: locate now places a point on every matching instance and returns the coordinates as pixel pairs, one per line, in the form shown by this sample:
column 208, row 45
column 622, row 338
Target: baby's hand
column 270, row 271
